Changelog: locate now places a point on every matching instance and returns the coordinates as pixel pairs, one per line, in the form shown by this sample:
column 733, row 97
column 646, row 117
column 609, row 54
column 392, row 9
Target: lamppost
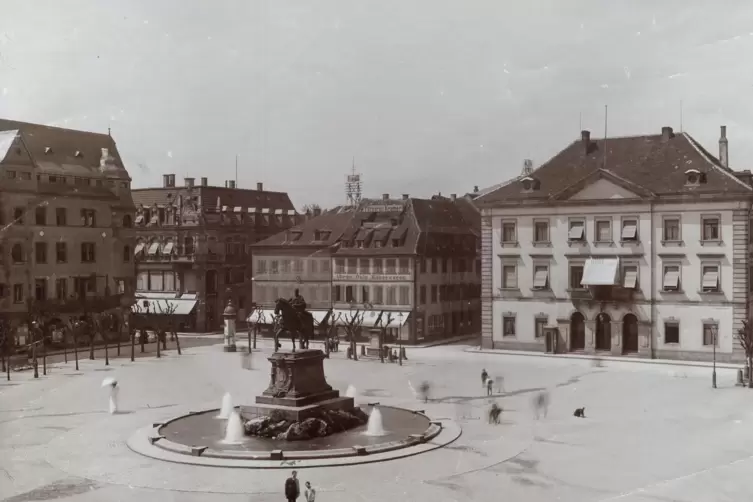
column 714, row 333
column 400, row 338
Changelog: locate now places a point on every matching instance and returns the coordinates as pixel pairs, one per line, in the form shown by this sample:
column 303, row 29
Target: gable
column 602, row 189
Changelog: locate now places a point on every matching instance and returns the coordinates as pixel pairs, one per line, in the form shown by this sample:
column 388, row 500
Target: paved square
column 651, row 432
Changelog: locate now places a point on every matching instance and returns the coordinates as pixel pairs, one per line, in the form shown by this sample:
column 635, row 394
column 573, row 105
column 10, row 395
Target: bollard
column 739, row 382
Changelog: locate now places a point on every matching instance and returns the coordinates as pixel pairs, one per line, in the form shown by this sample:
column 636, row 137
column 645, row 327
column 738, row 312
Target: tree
column 383, row 322
column 76, row 328
column 6, row 346
column 352, row 322
column 745, row 337
column 166, row 313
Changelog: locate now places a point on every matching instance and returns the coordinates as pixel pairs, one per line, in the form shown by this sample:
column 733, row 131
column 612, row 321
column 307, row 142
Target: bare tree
column 352, row 322
column 384, row 322
column 167, row 312
column 75, row 328
column 745, row 337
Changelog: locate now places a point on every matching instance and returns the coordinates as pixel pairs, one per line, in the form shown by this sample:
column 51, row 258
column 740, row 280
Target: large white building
column 635, row 245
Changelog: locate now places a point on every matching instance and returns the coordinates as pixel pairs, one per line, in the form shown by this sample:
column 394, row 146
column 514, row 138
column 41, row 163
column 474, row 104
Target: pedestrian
column 541, row 404
column 484, row 377
column 424, row 390
column 489, row 386
column 494, row 412
column 310, row 492
column 292, row 487
column 112, row 386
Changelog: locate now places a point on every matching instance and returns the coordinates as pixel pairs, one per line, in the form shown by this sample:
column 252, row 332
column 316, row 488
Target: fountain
column 350, row 392
column 227, row 407
column 234, row 433
column 375, row 425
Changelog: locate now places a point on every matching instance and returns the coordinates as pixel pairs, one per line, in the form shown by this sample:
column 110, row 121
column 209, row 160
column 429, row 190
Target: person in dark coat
column 484, row 377
column 292, row 487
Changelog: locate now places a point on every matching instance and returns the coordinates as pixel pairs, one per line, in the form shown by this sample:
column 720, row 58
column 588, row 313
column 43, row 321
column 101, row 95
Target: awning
column 139, row 219
column 291, row 212
column 251, row 209
column 600, row 272
column 631, row 279
column 139, row 248
column 541, row 278
column 164, row 306
column 710, row 278
column 318, row 315
column 576, row 232
column 237, row 209
column 153, row 248
column 279, row 211
column 265, row 210
column 167, row 248
column 224, row 209
column 629, row 231
column 671, row 279
column 396, row 320
column 264, row 316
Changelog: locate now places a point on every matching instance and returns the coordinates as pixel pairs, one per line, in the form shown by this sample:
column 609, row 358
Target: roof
column 66, row 151
column 208, row 197
column 651, row 165
column 334, row 221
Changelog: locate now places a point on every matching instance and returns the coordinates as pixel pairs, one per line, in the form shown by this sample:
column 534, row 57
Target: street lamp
column 714, row 334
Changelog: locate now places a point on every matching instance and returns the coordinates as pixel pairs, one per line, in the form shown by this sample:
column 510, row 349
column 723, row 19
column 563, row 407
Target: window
column 671, row 332
column 88, row 253
column 61, row 252
column 576, row 230
column 261, row 266
column 541, row 232
column 40, row 252
column 423, row 261
column 285, row 266
column 710, row 334
column 349, row 297
column 88, row 218
column 404, row 295
column 390, row 266
column 142, row 281
column 17, row 253
column 352, row 266
column 433, row 293
column 404, row 265
column 422, row 295
column 313, row 266
column 508, row 325
column 377, row 266
column 630, row 276
column 127, row 221
column 25, row 175
column 541, row 277
column 274, row 267
column 61, row 289
column 298, row 266
column 672, row 229
column 509, row 236
column 188, row 247
column 325, row 266
column 576, row 276
column 540, row 324
column 434, row 266
column 18, row 215
column 671, row 276
column 61, row 217
column 168, row 282
column 18, row 293
column 379, row 295
column 603, row 231
column 337, row 293
column 710, row 228
column 391, row 295
column 126, row 253
column 40, row 215
column 710, row 278
column 40, row 289
column 444, row 265
column 11, row 174
column 629, row 230
column 155, row 281
column 364, row 267
column 509, row 276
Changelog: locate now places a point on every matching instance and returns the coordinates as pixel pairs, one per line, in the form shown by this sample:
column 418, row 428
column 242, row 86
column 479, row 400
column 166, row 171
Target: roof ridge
column 46, row 126
column 713, row 161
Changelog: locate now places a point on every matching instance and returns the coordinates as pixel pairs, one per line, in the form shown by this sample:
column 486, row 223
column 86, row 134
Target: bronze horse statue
column 294, row 322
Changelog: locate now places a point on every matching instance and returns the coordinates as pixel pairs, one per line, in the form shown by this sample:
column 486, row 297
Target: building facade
column 629, row 246
column 193, row 247
column 66, row 211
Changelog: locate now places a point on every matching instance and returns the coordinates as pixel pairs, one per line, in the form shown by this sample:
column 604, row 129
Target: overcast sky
column 427, row 95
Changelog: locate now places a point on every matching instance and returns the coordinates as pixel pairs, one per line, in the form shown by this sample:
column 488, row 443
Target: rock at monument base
column 328, row 422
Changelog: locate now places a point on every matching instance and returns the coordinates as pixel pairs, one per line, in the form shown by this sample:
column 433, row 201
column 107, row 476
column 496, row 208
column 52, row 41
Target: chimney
column 189, row 182
column 260, row 187
column 405, row 196
column 317, row 211
column 231, row 183
column 453, row 197
column 585, row 137
column 723, row 147
column 475, row 188
column 204, row 182
column 385, row 196
column 172, row 180
column 527, row 167
column 165, row 181
column 667, row 133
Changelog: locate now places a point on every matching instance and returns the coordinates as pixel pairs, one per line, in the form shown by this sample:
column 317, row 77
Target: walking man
column 484, row 377
column 292, row 487
column 489, row 386
column 310, row 493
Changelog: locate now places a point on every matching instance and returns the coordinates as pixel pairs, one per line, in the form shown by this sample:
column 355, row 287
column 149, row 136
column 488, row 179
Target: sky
column 427, row 96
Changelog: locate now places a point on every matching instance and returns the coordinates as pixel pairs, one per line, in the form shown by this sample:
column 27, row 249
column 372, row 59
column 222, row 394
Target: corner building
column 624, row 246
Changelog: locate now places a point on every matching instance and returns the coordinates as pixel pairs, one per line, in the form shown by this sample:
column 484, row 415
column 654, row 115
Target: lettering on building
column 373, row 277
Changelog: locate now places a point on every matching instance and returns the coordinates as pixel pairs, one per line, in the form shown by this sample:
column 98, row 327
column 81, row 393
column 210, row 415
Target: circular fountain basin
column 198, row 438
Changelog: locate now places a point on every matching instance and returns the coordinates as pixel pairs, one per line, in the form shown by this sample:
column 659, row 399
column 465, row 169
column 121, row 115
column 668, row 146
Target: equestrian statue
column 294, row 319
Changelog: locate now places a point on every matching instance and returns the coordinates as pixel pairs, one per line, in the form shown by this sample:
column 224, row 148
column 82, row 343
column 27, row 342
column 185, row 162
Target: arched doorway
column 629, row 334
column 577, row 331
column 603, row 332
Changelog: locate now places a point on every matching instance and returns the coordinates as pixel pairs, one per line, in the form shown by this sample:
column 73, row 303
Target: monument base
column 230, row 348
column 298, row 413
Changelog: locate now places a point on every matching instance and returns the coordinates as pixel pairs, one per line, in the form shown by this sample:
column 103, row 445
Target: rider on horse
column 298, row 302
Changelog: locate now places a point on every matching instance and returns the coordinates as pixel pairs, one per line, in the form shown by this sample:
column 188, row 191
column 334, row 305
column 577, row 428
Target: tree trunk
column 177, row 342
column 256, row 330
column 34, row 361
column 750, row 372
column 159, row 354
column 91, row 345
column 249, row 340
column 44, row 356
column 133, row 344
column 381, row 345
column 75, row 350
column 7, row 367
column 119, row 334
column 163, row 338
column 107, row 351
column 353, row 346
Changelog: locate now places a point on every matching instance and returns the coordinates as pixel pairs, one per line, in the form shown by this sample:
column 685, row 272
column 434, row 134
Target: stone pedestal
column 373, row 348
column 297, row 387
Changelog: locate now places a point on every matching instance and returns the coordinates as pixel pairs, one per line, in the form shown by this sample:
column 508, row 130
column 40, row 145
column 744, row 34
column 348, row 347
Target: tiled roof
column 208, row 196
column 66, row 151
column 652, row 164
column 335, row 222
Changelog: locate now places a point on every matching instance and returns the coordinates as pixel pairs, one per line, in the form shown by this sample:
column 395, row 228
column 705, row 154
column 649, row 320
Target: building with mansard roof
column 65, row 212
column 193, row 246
column 625, row 246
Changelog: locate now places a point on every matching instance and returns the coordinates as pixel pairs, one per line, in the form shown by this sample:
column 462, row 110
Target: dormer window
column 529, row 184
column 694, row 177
column 325, row 235
column 47, row 150
column 296, row 234
column 317, row 235
column 393, row 222
column 78, row 153
column 359, row 244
